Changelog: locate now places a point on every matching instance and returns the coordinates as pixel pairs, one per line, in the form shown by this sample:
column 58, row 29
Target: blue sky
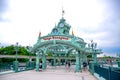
column 98, row 20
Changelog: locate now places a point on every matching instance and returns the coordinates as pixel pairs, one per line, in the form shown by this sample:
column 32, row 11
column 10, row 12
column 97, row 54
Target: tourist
column 68, row 64
column 84, row 66
column 40, row 66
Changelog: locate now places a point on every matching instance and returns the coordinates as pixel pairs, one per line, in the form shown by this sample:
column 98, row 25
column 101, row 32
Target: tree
column 10, row 50
column 89, row 56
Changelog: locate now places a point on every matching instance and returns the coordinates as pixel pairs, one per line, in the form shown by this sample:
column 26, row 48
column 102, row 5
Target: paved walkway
column 58, row 73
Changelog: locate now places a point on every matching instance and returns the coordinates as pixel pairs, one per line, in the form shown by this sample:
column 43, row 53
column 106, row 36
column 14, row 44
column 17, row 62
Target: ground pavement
column 51, row 73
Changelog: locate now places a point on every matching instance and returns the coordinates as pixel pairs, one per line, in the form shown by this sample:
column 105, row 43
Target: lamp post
column 93, row 45
column 28, row 49
column 16, row 56
column 29, row 63
column 16, row 49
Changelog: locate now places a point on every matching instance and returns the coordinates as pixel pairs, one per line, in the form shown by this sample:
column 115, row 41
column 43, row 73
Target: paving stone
column 58, row 73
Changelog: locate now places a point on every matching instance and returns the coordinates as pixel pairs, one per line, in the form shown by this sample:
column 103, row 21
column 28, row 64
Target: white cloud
column 107, row 54
column 87, row 17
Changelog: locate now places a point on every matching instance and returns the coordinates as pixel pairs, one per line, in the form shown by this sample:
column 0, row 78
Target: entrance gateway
column 61, row 43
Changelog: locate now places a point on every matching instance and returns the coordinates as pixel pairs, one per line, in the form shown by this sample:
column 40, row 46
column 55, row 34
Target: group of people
column 68, row 64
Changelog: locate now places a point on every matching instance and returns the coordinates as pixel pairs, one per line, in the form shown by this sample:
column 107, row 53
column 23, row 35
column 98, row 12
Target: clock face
column 61, row 25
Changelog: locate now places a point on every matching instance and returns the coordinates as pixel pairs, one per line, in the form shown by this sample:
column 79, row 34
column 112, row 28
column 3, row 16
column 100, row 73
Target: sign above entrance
column 55, row 38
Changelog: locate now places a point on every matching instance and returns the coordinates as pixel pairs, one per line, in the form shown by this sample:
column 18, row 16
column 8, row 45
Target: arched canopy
column 59, row 40
column 59, row 43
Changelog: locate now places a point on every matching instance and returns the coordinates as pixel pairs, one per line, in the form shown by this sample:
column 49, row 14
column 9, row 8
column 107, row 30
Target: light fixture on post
column 29, row 63
column 16, row 63
column 93, row 46
column 28, row 49
column 16, row 49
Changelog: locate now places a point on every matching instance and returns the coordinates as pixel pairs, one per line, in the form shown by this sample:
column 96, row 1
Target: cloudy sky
column 98, row 20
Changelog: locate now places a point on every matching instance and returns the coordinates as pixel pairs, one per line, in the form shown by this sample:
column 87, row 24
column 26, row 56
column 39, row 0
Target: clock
column 61, row 25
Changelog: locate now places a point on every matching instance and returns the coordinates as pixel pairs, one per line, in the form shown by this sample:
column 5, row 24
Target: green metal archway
column 60, row 41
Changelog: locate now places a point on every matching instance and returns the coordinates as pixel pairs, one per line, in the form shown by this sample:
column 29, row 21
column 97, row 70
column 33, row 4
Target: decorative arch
column 61, row 42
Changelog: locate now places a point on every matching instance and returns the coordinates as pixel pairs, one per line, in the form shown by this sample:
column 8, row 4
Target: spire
column 55, row 25
column 39, row 34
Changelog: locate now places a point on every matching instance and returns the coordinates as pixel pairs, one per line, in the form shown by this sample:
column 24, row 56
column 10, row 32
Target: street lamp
column 16, row 49
column 28, row 49
column 16, row 63
column 93, row 45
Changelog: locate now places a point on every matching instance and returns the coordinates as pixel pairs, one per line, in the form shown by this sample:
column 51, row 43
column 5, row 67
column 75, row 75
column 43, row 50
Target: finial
column 55, row 25
column 63, row 12
column 72, row 33
column 39, row 33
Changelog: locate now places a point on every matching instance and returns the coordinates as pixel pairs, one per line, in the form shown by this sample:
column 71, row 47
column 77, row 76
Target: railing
column 108, row 73
column 26, row 66
column 21, row 66
column 5, row 67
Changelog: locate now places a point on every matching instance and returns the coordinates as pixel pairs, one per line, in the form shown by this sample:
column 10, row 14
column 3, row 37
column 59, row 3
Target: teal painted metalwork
column 6, row 67
column 15, row 65
column 54, row 61
column 77, row 62
column 61, row 43
column 30, row 65
column 37, row 61
column 109, row 73
column 118, row 63
column 43, row 61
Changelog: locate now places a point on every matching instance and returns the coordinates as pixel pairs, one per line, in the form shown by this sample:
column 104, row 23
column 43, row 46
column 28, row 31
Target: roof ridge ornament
column 63, row 12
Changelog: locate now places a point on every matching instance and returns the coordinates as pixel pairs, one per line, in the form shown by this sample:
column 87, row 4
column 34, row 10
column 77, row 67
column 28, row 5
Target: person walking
column 40, row 66
column 84, row 66
column 69, row 64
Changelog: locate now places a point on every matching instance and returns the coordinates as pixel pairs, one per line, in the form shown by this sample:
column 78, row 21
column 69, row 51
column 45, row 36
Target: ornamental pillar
column 43, row 61
column 54, row 61
column 77, row 62
column 37, row 60
column 80, row 61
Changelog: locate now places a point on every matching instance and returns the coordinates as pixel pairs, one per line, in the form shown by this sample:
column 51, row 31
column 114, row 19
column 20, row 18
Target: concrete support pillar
column 77, row 62
column 37, row 61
